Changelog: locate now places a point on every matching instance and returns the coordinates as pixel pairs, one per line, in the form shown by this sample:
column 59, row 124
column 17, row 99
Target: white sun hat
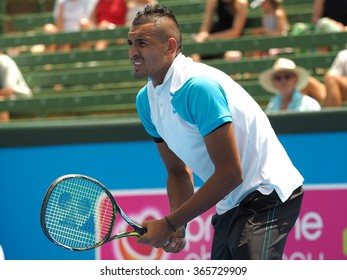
column 283, row 65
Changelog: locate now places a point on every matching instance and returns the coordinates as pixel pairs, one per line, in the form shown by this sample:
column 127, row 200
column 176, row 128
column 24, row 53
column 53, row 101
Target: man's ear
column 172, row 46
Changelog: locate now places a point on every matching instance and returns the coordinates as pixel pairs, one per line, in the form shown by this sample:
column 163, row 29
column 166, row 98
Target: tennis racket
column 78, row 213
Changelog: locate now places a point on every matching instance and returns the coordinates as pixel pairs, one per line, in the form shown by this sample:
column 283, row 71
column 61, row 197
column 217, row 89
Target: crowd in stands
column 76, row 15
column 293, row 87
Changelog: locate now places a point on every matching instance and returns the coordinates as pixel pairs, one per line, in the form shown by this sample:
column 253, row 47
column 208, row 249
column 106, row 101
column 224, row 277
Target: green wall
column 49, row 132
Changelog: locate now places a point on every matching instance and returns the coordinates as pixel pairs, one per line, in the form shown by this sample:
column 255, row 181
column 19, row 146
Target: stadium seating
column 101, row 82
column 30, row 21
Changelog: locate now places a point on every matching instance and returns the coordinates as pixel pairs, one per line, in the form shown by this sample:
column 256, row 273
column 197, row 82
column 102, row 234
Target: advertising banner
column 135, row 174
column 319, row 233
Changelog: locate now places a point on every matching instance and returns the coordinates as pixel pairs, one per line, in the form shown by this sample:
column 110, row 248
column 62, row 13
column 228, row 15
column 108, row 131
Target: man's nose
column 132, row 51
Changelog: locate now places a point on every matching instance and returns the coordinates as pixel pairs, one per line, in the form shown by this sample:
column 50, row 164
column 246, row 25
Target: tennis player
column 205, row 123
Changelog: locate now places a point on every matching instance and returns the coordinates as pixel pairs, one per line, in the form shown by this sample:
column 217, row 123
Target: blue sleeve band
column 203, row 102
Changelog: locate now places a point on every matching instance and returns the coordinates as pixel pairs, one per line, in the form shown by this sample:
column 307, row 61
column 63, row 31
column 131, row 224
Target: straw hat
column 258, row 3
column 280, row 65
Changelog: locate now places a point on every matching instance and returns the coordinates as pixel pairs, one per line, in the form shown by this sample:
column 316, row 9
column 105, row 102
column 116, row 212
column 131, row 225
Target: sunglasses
column 286, row 76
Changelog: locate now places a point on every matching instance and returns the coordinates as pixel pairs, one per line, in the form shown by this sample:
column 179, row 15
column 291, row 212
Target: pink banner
column 319, row 233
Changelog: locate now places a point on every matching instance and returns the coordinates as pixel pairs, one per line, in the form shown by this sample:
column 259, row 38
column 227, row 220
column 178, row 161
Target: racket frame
column 138, row 230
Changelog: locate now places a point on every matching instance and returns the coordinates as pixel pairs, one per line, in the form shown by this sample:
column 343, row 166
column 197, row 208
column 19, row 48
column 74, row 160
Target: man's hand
column 159, row 235
column 177, row 241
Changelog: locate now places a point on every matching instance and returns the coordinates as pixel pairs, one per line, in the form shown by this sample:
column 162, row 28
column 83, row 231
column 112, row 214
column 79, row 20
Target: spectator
column 134, row 6
column 285, row 79
column 231, row 20
column 333, row 9
column 315, row 89
column 274, row 22
column 12, row 83
column 335, row 81
column 324, row 25
column 328, row 16
column 274, row 18
column 69, row 16
column 328, row 25
column 108, row 14
column 232, row 16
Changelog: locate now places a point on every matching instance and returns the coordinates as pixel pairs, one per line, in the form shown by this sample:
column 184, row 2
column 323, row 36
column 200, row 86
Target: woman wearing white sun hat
column 286, row 80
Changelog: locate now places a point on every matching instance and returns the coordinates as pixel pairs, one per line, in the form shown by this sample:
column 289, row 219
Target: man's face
column 148, row 52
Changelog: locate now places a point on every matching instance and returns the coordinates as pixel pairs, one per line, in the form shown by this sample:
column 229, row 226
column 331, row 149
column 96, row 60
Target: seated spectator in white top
column 12, row 83
column 70, row 16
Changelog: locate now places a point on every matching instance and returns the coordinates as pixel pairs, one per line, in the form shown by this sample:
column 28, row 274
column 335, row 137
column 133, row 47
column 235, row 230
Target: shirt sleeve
column 202, row 101
column 143, row 109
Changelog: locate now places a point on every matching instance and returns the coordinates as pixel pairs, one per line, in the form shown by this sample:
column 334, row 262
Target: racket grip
column 141, row 230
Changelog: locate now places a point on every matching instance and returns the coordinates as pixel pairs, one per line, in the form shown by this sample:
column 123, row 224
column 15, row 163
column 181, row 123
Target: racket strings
column 106, row 216
column 78, row 214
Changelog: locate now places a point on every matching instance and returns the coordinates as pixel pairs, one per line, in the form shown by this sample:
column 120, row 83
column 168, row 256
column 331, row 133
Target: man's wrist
column 169, row 224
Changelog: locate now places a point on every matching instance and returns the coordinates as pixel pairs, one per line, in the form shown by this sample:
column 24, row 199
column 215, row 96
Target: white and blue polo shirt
column 193, row 100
